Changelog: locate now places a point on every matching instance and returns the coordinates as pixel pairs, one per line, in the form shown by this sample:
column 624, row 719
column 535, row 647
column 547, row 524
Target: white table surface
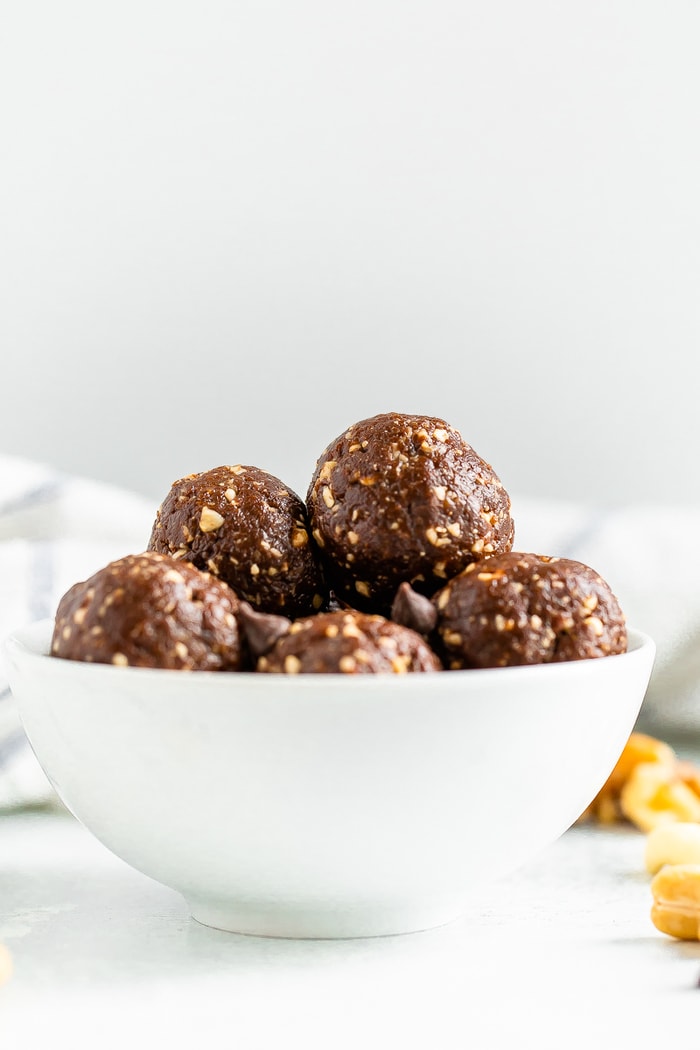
column 562, row 954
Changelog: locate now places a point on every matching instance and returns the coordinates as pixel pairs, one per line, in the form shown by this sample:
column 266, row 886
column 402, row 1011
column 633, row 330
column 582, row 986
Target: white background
column 227, row 231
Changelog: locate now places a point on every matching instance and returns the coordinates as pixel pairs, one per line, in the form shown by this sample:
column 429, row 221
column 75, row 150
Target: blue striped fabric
column 54, row 530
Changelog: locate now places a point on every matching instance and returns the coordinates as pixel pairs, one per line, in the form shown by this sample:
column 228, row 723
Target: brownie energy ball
column 246, row 527
column 527, row 609
column 348, row 642
column 403, row 498
column 149, row 610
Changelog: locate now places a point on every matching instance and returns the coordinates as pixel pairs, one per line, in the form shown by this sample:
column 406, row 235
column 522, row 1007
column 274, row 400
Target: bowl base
column 305, row 922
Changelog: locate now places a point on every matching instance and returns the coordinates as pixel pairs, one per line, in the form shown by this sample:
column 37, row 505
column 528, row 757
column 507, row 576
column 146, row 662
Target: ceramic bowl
column 326, row 805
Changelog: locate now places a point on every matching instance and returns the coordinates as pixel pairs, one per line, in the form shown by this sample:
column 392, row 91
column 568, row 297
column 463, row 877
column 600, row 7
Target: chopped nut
column 120, row 660
column 300, row 538
column 362, row 587
column 210, row 520
column 595, row 624
column 173, row 576
column 347, row 664
column 452, row 638
column 292, row 664
column 489, row 517
column 326, row 470
column 443, row 598
column 434, row 538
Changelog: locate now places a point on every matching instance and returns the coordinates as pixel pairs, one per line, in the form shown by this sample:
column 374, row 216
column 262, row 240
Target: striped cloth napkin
column 57, row 529
column 54, row 530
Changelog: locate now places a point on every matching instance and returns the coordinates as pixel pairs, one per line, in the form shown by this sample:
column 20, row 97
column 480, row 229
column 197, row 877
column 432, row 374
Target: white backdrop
column 228, row 230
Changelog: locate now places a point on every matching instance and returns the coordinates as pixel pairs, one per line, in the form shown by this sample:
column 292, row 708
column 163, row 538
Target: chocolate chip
column 261, row 630
column 413, row 610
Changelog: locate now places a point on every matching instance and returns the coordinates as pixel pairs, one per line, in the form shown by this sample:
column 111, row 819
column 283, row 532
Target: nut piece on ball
column 348, row 642
column 148, row 610
column 403, row 498
column 246, row 527
column 527, row 609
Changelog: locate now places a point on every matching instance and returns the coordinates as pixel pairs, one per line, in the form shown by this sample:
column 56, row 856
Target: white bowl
column 326, row 805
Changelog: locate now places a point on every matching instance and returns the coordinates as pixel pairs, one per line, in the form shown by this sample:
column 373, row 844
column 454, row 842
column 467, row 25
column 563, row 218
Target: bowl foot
column 317, row 922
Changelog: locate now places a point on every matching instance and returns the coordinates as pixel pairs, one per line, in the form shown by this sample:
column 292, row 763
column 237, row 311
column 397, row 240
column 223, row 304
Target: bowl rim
column 30, row 645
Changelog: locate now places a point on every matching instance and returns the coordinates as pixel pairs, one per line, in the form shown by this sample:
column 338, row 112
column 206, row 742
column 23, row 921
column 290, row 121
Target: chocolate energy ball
column 148, row 610
column 348, row 642
column 246, row 527
column 527, row 609
column 403, row 498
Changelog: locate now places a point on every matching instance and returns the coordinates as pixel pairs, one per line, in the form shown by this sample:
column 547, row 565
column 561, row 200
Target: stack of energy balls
column 399, row 560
